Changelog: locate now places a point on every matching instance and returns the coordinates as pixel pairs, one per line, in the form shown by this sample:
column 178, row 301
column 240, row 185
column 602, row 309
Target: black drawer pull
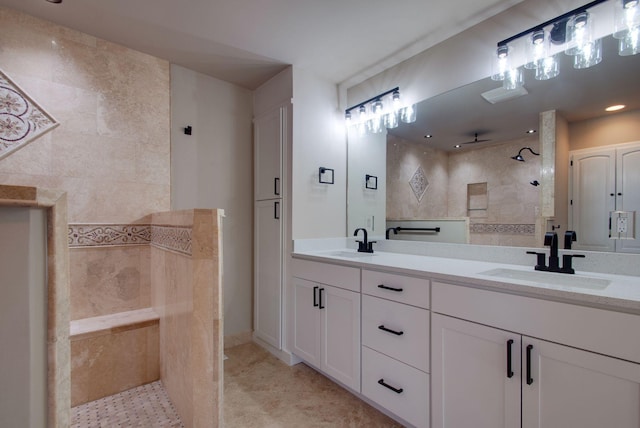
column 384, row 287
column 529, row 378
column 276, row 186
column 320, row 293
column 315, row 296
column 386, row 385
column 397, row 333
column 509, row 368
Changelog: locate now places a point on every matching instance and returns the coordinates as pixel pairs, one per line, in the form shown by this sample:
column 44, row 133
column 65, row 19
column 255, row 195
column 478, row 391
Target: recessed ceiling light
column 531, row 131
column 428, row 136
column 54, row 1
column 457, row 146
column 615, row 108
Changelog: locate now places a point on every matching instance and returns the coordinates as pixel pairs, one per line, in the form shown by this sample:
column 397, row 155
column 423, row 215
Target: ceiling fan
column 475, row 140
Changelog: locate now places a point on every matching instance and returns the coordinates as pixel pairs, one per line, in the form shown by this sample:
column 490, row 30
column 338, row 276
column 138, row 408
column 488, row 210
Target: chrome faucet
column 364, row 246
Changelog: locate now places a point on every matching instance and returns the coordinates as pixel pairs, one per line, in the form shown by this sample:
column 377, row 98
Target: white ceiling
column 246, row 42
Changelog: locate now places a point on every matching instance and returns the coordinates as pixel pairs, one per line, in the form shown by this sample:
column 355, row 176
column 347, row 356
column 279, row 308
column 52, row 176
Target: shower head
column 519, row 157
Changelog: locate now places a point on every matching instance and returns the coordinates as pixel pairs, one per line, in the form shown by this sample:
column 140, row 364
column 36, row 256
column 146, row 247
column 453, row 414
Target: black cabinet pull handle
column 388, row 330
column 276, row 186
column 384, row 287
column 386, row 385
column 276, row 210
column 529, row 378
column 321, row 293
column 509, row 368
column 315, row 296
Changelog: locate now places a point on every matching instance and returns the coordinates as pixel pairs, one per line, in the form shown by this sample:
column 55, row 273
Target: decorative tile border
column 92, row 235
column 172, row 238
column 22, row 120
column 512, row 229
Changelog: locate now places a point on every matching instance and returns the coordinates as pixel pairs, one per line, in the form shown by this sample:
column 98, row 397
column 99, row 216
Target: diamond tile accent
column 419, row 183
column 22, row 120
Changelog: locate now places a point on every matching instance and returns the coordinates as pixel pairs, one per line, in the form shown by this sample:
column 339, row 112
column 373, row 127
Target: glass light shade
column 537, row 49
column 579, row 33
column 630, row 44
column 500, row 64
column 391, row 119
column 363, row 116
column 547, row 68
column 590, row 55
column 513, row 79
column 408, row 114
column 627, row 17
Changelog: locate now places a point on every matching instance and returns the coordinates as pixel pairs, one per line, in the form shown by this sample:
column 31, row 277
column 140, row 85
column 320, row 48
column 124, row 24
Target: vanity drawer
column 412, row 403
column 411, row 346
column 400, row 288
column 325, row 273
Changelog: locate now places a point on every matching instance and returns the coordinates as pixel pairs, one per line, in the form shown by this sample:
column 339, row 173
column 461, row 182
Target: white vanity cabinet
column 483, row 376
column 395, row 344
column 326, row 328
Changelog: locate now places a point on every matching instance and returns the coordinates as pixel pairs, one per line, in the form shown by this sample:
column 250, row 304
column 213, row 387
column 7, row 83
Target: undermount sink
column 351, row 254
column 550, row 278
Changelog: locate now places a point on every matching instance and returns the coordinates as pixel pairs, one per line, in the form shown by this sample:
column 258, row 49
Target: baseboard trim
column 238, row 339
column 283, row 355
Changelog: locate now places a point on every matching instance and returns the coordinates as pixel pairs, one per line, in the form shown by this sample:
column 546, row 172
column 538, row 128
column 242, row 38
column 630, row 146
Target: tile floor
column 260, row 391
column 145, row 406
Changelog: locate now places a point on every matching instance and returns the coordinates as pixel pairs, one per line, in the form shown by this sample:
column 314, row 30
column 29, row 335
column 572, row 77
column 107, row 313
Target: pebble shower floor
column 145, row 406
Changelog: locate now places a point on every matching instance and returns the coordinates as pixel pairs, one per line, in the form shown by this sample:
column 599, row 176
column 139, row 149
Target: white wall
column 367, row 207
column 23, row 318
column 319, row 140
column 213, row 168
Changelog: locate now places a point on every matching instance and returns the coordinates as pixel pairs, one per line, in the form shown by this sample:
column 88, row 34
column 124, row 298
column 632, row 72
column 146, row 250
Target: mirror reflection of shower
column 519, row 157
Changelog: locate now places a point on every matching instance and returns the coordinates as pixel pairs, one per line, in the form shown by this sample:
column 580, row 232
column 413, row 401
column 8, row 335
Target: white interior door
column 628, row 190
column 592, row 198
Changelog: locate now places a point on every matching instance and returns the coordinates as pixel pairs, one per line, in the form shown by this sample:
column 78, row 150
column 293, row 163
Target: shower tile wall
column 111, row 150
column 512, row 203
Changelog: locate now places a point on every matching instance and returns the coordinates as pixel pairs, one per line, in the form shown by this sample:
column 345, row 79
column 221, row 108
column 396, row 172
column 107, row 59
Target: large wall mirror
column 453, row 169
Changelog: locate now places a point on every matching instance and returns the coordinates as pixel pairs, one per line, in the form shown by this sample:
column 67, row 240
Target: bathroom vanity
column 445, row 342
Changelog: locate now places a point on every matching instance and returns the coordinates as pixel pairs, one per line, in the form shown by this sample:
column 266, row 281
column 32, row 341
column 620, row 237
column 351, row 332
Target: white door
column 628, row 191
column 341, row 334
column 574, row 388
column 268, row 140
column 473, row 383
column 268, row 272
column 307, row 338
column 592, row 198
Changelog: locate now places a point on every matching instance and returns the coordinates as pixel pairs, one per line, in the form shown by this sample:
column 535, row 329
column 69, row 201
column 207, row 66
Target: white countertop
column 621, row 294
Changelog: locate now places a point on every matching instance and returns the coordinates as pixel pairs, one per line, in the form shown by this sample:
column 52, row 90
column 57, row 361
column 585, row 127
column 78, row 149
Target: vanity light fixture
column 519, row 157
column 384, row 111
column 574, row 32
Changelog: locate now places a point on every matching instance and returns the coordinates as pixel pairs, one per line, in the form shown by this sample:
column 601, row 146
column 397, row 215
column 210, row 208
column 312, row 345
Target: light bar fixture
column 384, row 111
column 574, row 32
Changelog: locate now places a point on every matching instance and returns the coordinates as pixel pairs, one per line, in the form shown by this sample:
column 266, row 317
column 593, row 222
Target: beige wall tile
column 105, row 365
column 107, row 280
